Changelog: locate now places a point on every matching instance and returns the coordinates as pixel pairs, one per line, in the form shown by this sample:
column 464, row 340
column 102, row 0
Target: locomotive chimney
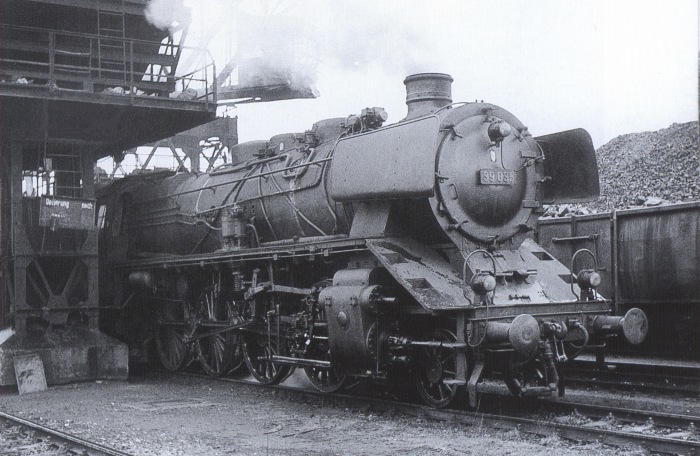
column 426, row 93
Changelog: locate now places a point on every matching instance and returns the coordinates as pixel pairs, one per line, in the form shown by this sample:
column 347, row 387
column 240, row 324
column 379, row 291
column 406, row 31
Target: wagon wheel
column 434, row 366
column 257, row 350
column 218, row 353
column 173, row 351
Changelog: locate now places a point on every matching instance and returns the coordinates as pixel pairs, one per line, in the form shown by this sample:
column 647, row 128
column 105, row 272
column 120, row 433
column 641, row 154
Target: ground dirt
column 164, row 414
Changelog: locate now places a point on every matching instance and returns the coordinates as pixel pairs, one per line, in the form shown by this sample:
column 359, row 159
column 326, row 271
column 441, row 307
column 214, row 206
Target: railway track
column 597, row 412
column 642, row 375
column 658, row 433
column 23, row 436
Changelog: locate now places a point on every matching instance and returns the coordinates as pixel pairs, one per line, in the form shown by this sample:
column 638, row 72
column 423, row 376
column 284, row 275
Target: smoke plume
column 165, row 13
column 285, row 41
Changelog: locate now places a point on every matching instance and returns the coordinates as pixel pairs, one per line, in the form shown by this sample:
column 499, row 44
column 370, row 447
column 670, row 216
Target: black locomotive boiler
column 358, row 250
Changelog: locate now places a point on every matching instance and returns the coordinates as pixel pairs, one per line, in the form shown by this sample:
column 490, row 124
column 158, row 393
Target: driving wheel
column 171, row 326
column 218, row 352
column 257, row 351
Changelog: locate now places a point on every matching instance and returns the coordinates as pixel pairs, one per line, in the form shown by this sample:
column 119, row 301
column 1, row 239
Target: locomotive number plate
column 496, row 177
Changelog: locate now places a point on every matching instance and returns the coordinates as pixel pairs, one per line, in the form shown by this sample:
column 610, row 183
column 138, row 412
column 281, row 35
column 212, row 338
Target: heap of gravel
column 648, row 168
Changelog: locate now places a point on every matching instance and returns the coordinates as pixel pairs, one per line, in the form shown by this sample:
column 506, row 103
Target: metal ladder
column 111, row 43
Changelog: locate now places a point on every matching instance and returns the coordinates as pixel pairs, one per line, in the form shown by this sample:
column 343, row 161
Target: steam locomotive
column 359, row 250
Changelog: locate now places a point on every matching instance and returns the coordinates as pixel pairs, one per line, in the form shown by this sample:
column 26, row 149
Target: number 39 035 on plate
column 497, row 177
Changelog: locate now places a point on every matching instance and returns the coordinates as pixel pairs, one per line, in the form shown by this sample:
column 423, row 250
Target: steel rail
column 656, row 388
column 639, row 376
column 622, row 414
column 100, row 449
column 648, row 365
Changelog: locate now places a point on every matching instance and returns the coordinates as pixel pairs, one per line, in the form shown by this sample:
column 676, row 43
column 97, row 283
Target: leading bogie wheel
column 434, row 366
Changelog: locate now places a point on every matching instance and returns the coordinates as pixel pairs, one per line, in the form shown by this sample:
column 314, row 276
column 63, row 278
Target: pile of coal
column 644, row 169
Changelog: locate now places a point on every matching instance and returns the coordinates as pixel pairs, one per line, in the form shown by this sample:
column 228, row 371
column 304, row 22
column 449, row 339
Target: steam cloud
column 164, row 13
column 285, row 40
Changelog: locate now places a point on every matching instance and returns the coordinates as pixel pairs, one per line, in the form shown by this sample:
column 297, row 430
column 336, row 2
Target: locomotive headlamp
column 588, row 279
column 499, row 130
column 482, row 283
